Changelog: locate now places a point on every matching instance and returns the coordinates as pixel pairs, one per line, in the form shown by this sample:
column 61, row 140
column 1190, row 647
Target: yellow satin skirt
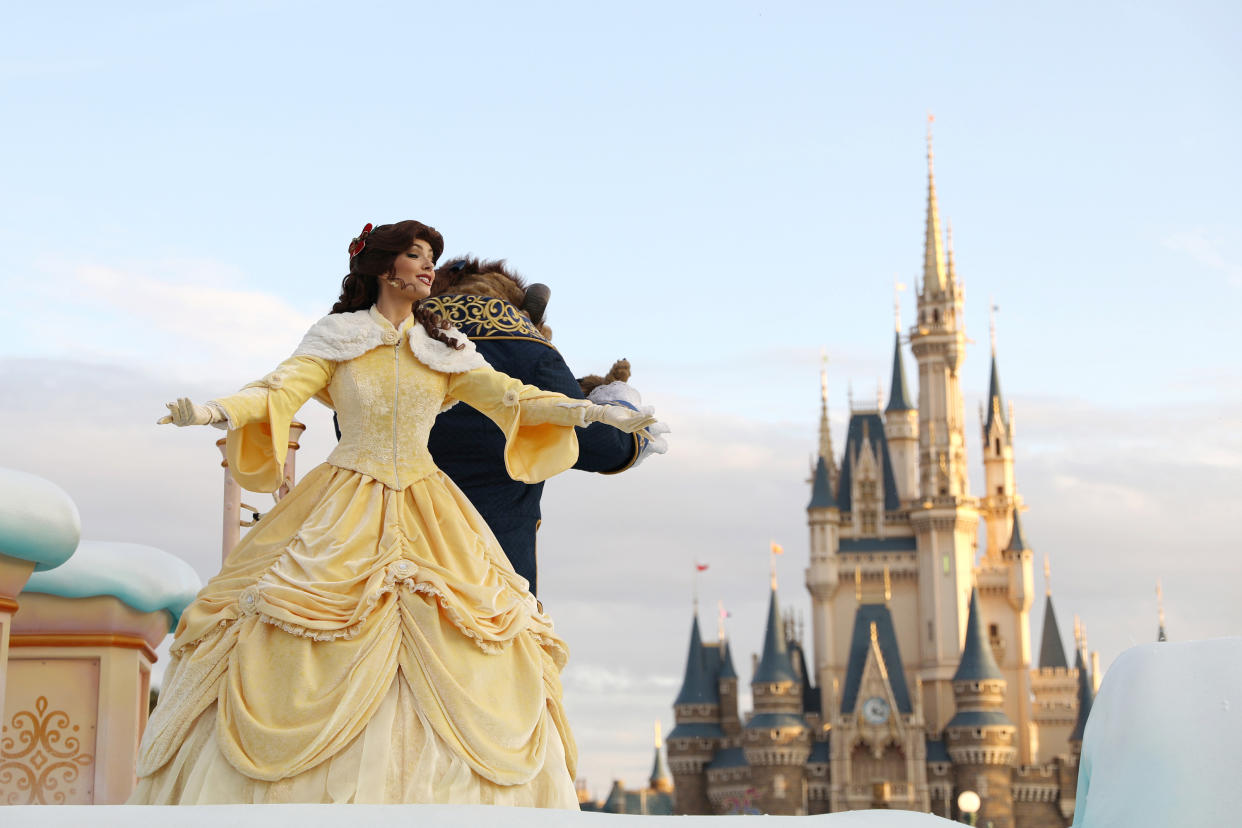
column 363, row 644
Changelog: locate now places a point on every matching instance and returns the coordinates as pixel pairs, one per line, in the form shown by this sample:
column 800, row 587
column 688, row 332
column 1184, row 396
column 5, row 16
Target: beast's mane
column 479, row 277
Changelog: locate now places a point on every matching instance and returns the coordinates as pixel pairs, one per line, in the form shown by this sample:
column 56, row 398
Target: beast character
column 493, row 306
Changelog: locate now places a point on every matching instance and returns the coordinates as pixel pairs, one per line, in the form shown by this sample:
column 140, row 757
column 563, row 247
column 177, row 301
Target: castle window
column 1000, row 490
column 778, row 786
column 936, row 316
column 998, row 451
column 868, row 522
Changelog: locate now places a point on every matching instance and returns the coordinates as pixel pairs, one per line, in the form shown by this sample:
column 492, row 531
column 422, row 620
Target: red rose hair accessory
column 359, row 241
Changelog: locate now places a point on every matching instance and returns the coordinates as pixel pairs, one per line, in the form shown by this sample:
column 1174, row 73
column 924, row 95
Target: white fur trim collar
column 340, row 337
column 440, row 357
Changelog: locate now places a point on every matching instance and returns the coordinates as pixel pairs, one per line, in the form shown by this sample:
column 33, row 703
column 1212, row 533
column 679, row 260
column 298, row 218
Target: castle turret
column 1086, row 696
column 697, row 735
column 777, row 740
column 1000, row 500
column 823, row 573
column 1054, row 687
column 901, row 427
column 730, row 722
column 980, row 737
column 944, row 518
column 661, row 780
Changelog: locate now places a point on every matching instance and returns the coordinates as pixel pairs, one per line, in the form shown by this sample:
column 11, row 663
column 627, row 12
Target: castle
column 921, row 683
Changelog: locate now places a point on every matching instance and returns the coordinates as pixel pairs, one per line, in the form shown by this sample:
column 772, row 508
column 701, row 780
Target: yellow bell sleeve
column 538, row 425
column 259, row 417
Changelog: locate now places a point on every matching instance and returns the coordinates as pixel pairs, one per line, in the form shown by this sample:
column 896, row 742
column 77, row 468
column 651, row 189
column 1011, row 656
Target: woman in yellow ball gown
column 368, row 640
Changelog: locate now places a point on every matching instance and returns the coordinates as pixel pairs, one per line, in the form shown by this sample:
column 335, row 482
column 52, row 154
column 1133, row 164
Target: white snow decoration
column 142, row 577
column 1163, row 745
column 403, row 816
column 38, row 520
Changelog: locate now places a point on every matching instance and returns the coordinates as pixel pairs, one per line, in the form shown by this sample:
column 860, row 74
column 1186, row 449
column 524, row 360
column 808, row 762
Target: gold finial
column 879, row 394
column 721, row 615
column 930, row 118
column 888, row 585
column 658, row 740
column 898, row 287
column 992, row 309
column 1077, row 631
column 1160, row 602
column 858, row 583
column 824, row 378
column 875, row 636
column 948, row 252
column 1047, row 575
column 849, row 390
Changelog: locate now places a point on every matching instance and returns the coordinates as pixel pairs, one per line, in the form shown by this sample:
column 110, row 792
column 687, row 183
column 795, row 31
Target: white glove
column 183, row 412
column 618, row 416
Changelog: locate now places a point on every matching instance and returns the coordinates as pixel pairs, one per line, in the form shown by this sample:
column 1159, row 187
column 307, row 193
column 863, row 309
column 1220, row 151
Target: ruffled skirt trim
column 397, row 758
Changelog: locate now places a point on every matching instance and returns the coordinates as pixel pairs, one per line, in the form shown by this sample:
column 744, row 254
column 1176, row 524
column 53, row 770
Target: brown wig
column 360, row 288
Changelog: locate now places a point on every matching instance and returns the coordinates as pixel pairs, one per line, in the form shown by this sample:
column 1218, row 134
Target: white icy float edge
column 142, row 577
column 403, row 816
column 1163, row 746
column 38, row 520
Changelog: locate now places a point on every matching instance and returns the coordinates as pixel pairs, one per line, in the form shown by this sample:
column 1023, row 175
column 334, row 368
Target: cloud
column 194, row 318
column 1206, row 252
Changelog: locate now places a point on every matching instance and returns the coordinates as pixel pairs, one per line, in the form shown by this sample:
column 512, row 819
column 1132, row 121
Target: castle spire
column 977, row 659
column 899, row 392
column 1160, row 634
column 1085, row 696
column 1051, row 650
column 661, row 780
column 933, row 256
column 697, row 687
column 996, row 402
column 775, row 665
column 950, row 267
column 821, row 488
column 1017, row 543
column 825, row 431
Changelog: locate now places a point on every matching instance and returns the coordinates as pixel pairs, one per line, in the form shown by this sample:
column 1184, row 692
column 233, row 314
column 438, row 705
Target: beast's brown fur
column 620, row 371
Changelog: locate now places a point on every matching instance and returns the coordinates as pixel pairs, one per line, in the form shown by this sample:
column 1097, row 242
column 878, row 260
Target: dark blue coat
column 470, row 448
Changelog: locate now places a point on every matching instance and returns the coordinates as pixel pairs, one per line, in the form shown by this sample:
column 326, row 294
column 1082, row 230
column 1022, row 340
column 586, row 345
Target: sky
column 716, row 191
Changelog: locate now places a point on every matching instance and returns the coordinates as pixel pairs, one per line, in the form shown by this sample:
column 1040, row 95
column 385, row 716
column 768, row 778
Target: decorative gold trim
column 41, row 757
column 485, row 317
column 129, row 642
column 7, row 604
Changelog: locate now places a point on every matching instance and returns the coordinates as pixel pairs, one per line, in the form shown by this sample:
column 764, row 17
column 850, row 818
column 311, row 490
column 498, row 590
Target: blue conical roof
column 899, row 393
column 697, row 687
column 659, row 769
column 821, row 488
column 996, row 403
column 977, row 660
column 1051, row 651
column 1017, row 543
column 1085, row 698
column 775, row 666
column 726, row 662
